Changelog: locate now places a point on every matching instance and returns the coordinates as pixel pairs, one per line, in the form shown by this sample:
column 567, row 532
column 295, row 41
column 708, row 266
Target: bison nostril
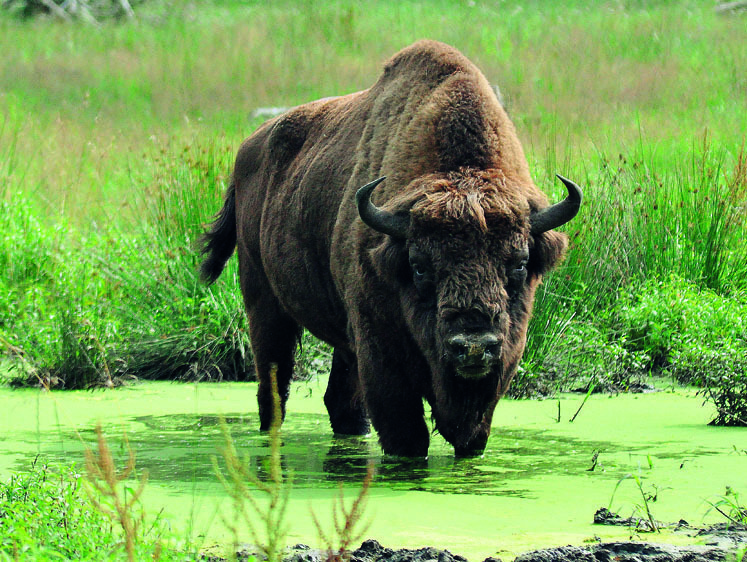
column 475, row 347
column 458, row 345
column 489, row 342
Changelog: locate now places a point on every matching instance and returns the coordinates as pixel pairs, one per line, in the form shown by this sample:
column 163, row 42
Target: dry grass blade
column 348, row 524
column 241, row 484
column 106, row 493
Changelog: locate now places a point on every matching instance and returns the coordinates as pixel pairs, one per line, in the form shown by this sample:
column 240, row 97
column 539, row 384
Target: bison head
column 466, row 251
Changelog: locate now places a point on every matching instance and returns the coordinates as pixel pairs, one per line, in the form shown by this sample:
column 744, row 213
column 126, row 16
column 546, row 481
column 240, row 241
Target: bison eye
column 418, row 273
column 518, row 275
column 422, row 278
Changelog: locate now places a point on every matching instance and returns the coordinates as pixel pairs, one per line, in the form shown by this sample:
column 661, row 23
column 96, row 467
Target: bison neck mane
column 435, row 108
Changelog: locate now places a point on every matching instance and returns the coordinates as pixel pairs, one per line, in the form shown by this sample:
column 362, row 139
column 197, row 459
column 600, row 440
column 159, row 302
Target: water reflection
column 178, row 450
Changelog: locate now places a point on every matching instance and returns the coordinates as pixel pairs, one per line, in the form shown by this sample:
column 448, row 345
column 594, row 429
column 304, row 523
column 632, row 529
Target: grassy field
column 116, row 142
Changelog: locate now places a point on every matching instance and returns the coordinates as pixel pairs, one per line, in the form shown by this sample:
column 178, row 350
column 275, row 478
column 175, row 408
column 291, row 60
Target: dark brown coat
column 435, row 307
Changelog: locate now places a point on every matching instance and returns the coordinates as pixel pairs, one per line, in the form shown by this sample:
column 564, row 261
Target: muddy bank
column 372, row 551
column 722, row 543
column 629, row 552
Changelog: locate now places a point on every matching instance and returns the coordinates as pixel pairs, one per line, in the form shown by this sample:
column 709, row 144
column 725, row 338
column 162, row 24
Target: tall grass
column 116, row 143
column 92, row 98
column 99, row 306
column 643, row 220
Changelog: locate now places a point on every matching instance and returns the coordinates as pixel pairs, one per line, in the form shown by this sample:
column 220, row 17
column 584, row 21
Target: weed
column 647, row 523
column 726, row 387
column 111, row 498
column 730, row 507
column 241, row 484
column 347, row 522
column 586, row 397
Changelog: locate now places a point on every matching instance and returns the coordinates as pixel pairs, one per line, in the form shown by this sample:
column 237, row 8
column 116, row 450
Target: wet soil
column 722, row 542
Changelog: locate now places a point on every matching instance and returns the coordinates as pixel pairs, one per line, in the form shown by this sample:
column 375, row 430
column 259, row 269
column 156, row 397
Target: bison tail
column 219, row 242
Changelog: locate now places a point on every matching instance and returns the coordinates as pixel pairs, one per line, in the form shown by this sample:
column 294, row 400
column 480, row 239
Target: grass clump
column 725, row 385
column 653, row 282
column 46, row 514
column 694, row 335
column 643, row 518
column 112, row 304
column 729, row 506
column 666, row 318
column 664, row 327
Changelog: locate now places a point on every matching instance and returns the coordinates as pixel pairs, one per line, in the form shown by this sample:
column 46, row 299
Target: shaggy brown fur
column 395, row 310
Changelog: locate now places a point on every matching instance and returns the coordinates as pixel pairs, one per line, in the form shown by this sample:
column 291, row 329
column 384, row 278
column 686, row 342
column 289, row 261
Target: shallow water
column 532, row 488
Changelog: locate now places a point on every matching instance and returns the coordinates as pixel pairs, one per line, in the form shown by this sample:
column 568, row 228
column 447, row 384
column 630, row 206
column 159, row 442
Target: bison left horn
column 560, row 213
column 394, row 224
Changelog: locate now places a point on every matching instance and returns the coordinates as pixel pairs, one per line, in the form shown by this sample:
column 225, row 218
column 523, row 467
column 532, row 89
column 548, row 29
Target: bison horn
column 393, row 224
column 560, row 213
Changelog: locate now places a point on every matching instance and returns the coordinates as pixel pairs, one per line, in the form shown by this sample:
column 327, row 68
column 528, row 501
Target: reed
column 265, row 521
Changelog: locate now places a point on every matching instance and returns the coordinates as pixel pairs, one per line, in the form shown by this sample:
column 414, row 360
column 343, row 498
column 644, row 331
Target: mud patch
column 627, row 552
column 372, row 551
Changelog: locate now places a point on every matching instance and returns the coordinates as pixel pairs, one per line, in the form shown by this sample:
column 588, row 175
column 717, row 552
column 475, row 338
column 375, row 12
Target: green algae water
column 537, row 485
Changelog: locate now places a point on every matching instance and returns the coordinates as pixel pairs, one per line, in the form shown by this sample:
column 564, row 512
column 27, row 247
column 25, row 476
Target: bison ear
column 390, row 260
column 547, row 251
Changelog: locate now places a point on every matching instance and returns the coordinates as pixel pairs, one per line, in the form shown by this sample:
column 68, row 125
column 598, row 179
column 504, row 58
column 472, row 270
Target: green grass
column 653, row 280
column 45, row 514
column 116, row 143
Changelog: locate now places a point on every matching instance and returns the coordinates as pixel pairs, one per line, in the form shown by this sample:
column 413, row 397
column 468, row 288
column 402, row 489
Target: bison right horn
column 560, row 213
column 393, row 224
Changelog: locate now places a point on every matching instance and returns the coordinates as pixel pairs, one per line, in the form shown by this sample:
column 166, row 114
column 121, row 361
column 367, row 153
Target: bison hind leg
column 274, row 337
column 344, row 402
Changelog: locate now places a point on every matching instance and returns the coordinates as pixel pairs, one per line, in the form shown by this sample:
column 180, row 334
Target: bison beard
column 426, row 293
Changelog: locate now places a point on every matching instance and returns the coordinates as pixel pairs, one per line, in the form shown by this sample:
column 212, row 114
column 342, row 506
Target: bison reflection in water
column 423, row 285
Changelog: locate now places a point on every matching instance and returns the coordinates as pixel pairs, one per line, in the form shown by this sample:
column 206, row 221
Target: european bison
column 423, row 285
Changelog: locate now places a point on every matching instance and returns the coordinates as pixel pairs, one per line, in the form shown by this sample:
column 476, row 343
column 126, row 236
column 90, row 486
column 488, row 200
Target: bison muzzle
column 423, row 279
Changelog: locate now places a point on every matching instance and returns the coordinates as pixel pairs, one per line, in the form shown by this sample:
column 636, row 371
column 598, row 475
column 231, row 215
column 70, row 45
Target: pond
column 534, row 486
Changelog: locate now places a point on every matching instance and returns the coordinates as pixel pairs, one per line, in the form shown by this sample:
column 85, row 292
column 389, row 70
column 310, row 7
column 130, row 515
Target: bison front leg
column 343, row 398
column 395, row 407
